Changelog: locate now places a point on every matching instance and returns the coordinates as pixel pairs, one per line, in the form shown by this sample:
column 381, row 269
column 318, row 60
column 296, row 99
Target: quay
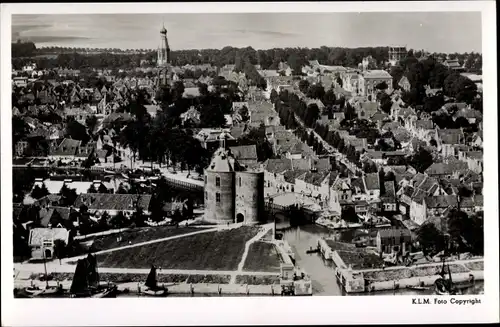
column 355, row 277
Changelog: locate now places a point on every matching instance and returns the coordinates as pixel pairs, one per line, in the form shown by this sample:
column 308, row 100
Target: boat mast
column 45, row 269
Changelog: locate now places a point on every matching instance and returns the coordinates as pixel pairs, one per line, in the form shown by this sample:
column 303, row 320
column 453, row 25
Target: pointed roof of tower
column 223, row 161
column 163, row 30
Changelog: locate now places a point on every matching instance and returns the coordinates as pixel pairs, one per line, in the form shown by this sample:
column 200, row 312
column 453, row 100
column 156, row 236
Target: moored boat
column 152, row 288
column 35, row 291
column 86, row 281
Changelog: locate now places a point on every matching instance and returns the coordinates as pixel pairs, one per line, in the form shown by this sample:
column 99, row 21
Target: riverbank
column 358, row 270
column 176, row 288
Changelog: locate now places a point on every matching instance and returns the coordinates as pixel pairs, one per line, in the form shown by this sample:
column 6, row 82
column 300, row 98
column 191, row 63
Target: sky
column 446, row 32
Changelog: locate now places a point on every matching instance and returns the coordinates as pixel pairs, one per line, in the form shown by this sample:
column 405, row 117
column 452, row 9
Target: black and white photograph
column 249, row 155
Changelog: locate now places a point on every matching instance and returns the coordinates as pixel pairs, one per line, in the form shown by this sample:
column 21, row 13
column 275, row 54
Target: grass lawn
column 262, row 257
column 220, row 250
column 139, row 235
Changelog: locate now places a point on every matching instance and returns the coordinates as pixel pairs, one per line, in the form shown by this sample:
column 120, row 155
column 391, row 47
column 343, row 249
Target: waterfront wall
column 353, row 281
column 418, row 281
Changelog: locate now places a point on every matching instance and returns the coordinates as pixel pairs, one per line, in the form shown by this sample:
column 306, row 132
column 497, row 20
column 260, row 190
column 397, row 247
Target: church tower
column 163, row 61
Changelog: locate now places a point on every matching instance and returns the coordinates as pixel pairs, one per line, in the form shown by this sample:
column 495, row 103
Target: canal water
column 321, row 271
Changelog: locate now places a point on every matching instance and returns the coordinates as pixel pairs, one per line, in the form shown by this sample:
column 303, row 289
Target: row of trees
column 268, row 59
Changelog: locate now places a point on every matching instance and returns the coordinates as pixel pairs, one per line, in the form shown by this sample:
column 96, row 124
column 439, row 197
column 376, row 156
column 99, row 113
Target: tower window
column 239, row 181
column 205, row 179
column 206, row 195
column 217, row 197
column 217, row 181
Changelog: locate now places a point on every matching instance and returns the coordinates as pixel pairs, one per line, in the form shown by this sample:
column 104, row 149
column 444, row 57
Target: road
column 265, row 229
column 331, row 150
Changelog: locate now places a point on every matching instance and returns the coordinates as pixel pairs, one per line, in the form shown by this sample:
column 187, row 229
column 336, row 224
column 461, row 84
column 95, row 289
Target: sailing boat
column 151, row 284
column 86, row 280
column 35, row 291
column 445, row 286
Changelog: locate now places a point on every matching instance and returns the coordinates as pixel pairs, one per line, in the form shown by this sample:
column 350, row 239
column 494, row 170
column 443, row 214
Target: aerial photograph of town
column 247, row 154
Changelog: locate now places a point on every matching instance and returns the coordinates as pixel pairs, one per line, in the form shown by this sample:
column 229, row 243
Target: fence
column 184, row 185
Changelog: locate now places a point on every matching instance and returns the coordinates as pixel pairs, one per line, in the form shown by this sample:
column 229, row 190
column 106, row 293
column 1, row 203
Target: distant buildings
column 396, row 53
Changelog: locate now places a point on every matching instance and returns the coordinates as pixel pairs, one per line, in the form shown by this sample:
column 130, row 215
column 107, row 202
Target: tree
column 329, row 98
column 385, row 102
column 421, row 160
column 59, row 249
column 433, row 103
column 177, row 90
column 212, row 116
column 103, row 221
column 316, row 91
column 76, row 131
column 304, row 86
column 243, row 112
column 349, row 215
column 91, row 123
column 118, row 221
column 39, row 191
column 138, row 217
column 382, row 86
column 466, row 233
column 68, row 196
column 430, row 239
column 92, row 189
column 339, row 81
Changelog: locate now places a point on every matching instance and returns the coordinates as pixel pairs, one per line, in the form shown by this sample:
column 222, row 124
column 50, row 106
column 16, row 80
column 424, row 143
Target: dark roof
column 278, row 165
column 244, row 152
column 390, row 191
column 68, row 147
column 424, row 124
column 291, row 175
column 441, row 201
column 314, row 178
column 394, row 232
column 119, row 202
column 322, row 164
column 372, row 181
column 379, row 116
column 450, row 136
column 474, row 154
column 446, row 168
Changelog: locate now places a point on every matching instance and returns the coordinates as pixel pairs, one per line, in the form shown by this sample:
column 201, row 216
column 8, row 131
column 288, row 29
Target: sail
column 80, row 282
column 93, row 276
column 151, row 280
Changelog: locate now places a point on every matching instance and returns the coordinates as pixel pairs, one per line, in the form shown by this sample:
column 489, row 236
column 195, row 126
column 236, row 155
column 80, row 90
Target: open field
column 257, row 280
column 138, row 235
column 262, row 256
column 218, row 250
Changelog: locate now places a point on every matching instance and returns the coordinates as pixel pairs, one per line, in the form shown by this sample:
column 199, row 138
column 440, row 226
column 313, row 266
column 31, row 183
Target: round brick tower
column 220, row 185
column 249, row 197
